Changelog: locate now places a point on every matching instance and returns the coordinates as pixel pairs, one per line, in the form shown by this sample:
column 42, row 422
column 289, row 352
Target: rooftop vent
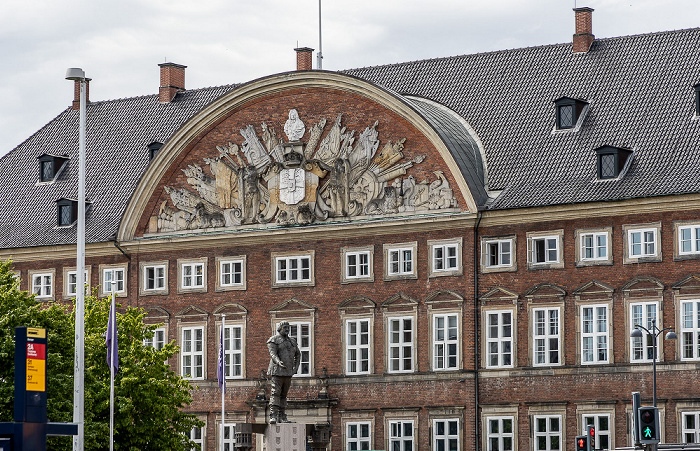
column 584, row 30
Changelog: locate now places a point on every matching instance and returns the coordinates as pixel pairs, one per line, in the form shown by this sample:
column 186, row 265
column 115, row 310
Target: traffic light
column 648, row 425
column 581, row 443
column 590, row 433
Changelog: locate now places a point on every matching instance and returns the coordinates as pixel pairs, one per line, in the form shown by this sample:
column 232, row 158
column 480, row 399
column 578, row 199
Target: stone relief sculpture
column 267, row 180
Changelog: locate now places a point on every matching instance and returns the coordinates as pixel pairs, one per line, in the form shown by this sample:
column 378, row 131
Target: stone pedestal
column 285, row 437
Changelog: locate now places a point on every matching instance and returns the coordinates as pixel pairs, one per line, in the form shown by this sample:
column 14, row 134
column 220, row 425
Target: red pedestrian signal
column 581, row 443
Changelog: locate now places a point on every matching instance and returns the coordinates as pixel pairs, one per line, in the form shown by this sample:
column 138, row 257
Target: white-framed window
column 157, row 341
column 643, row 313
column 602, row 424
column 499, row 433
column 293, row 269
column 544, row 249
column 231, row 273
column 688, row 239
column 357, row 264
column 445, row 257
column 400, row 337
column 113, row 280
column 42, row 284
column 547, row 433
column 446, row 434
column 197, row 436
column 445, row 341
column 642, row 242
column 71, row 281
column 358, row 435
column 690, row 329
column 498, row 254
column 192, row 352
column 690, row 427
column 401, row 435
column 233, row 351
column 229, row 436
column 358, row 346
column 546, row 332
column 154, row 278
column 595, row 332
column 192, row 275
column 594, row 246
column 301, row 332
column 400, row 261
column 499, row 339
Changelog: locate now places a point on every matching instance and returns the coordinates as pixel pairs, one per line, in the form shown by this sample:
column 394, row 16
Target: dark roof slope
column 641, row 97
column 118, row 133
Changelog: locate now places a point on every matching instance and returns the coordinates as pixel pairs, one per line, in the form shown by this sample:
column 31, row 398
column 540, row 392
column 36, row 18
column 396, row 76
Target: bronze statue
column 285, row 358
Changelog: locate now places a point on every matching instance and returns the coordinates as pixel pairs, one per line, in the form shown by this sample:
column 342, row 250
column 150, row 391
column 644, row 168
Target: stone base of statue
column 285, row 437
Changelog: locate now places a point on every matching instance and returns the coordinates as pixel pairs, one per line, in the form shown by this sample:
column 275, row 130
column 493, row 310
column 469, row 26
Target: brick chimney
column 584, row 30
column 172, row 80
column 304, row 55
column 76, row 93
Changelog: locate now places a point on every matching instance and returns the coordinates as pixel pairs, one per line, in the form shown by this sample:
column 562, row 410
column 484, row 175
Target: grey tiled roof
column 118, row 133
column 641, row 96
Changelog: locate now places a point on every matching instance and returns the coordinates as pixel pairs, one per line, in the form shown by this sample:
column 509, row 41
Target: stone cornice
column 58, row 252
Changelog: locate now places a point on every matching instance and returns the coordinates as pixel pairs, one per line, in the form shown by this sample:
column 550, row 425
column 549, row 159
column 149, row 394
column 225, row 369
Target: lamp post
column 77, row 74
column 654, row 332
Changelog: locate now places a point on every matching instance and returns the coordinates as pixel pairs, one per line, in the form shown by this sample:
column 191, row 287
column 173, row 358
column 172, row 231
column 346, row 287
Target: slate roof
column 640, row 90
column 118, row 133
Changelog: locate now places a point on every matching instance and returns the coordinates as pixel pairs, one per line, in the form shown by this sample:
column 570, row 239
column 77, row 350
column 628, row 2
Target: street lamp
column 654, row 332
column 77, row 74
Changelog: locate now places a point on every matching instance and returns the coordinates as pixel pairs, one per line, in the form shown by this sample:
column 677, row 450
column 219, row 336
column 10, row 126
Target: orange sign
column 36, row 367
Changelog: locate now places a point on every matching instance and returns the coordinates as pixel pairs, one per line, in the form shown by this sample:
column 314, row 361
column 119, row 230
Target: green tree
column 149, row 396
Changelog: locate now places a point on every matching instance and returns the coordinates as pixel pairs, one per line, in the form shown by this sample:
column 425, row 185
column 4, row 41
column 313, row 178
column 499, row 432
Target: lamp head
column 636, row 333
column 671, row 335
column 75, row 73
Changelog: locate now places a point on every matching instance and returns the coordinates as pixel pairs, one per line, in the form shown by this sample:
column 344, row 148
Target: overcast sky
column 120, row 43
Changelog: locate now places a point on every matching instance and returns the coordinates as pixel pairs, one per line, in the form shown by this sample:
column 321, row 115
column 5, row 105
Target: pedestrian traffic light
column 648, row 425
column 581, row 443
column 590, row 433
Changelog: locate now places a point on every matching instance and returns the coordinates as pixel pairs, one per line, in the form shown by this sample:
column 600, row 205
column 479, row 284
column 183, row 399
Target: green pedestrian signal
column 647, row 425
column 648, row 432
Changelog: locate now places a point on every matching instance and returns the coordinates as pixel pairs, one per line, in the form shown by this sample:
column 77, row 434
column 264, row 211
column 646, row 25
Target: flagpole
column 223, row 373
column 112, row 315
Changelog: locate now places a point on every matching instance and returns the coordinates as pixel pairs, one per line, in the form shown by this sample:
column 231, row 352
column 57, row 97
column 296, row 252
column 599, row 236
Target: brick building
column 462, row 245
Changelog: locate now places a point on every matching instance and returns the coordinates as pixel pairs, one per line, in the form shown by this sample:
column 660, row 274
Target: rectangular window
column 293, row 269
column 357, row 355
column 158, row 339
column 192, row 275
column 358, row 435
column 192, row 353
column 594, row 246
column 400, row 345
column 72, row 285
column 230, row 273
column 233, row 351
column 42, row 285
column 446, row 435
column 229, row 437
column 546, row 336
column 499, row 339
column 594, row 334
column 154, row 277
column 401, row 261
column 690, row 330
column 642, row 243
column 113, row 280
column 445, row 341
column 689, row 240
column 401, row 435
column 498, row 253
column 690, row 428
column 499, row 433
column 547, row 433
column 301, row 332
column 357, row 265
column 545, row 250
column 445, row 257
column 642, row 348
column 197, row 436
column 601, row 423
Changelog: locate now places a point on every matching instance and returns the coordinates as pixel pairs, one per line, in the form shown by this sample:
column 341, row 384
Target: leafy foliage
column 149, row 396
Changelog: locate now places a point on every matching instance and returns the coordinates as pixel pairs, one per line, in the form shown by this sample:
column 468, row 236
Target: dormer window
column 697, row 99
column 611, row 161
column 67, row 210
column 568, row 112
column 50, row 166
column 153, row 149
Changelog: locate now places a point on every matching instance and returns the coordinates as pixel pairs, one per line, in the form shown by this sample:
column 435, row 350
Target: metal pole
column 111, row 374
column 223, row 386
column 654, row 335
column 319, row 55
column 79, row 368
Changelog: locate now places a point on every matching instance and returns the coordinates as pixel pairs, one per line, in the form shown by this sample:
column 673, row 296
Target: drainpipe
column 114, row 241
column 477, row 345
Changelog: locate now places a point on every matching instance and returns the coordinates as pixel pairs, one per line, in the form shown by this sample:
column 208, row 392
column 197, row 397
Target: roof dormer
column 569, row 112
column 50, row 166
column 612, row 161
column 153, row 149
column 697, row 99
column 67, row 211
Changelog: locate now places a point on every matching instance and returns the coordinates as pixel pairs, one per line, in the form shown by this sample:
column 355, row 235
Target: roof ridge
column 122, row 99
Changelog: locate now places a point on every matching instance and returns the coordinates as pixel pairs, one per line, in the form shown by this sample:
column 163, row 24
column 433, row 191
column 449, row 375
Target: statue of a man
column 294, row 128
column 285, row 358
